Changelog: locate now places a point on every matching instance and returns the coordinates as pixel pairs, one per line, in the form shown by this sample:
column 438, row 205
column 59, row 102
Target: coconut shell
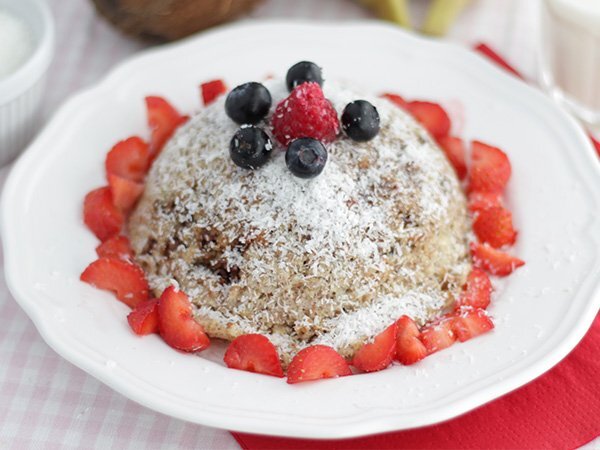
column 168, row 20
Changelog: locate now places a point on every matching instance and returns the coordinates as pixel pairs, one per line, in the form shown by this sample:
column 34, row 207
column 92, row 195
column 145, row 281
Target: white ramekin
column 21, row 91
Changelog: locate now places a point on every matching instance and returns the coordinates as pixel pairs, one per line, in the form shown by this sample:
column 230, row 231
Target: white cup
column 570, row 56
column 21, row 91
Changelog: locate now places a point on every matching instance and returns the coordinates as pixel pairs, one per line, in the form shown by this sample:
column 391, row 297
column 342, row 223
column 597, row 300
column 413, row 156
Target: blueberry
column 250, row 147
column 360, row 121
column 306, row 157
column 248, row 103
column 301, row 73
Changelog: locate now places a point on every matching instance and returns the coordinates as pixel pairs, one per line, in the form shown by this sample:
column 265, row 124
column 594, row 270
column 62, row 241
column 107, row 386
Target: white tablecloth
column 45, row 402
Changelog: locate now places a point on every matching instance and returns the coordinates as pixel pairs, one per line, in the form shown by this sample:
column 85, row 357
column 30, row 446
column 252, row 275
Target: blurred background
column 88, row 46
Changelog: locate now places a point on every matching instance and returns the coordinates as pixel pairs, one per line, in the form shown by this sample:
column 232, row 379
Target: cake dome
column 381, row 232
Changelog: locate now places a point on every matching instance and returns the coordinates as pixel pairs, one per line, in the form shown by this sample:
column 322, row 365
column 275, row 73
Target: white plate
column 542, row 311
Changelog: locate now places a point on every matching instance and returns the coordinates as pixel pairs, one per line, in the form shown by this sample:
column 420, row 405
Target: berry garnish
column 115, row 247
column 454, row 149
column 176, row 322
column 494, row 261
column 250, row 147
column 248, row 103
column 305, row 113
column 360, row 121
column 477, row 291
column 316, row 362
column 377, row 355
column 129, row 159
column 163, row 120
column 432, row 116
column 301, row 73
column 409, row 348
column 124, row 278
column 396, row 100
column 494, row 226
column 469, row 323
column 211, row 90
column 125, row 192
column 478, row 201
column 438, row 335
column 100, row 214
column 490, row 169
column 306, row 157
column 143, row 319
column 253, row 353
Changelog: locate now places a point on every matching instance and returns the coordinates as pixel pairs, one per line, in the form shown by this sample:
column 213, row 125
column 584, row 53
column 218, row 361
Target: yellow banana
column 441, row 15
column 393, row 10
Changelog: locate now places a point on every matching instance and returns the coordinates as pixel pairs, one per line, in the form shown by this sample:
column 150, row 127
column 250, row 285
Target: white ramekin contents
column 27, row 50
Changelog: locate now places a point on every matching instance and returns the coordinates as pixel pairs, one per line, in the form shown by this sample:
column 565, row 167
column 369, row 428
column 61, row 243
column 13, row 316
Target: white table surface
column 45, row 402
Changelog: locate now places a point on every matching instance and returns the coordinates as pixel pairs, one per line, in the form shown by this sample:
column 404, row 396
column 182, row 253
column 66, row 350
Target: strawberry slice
column 438, row 335
column 125, row 279
column 100, row 214
column 454, row 148
column 409, row 348
column 115, row 247
column 469, row 323
column 477, row 291
column 490, row 169
column 211, row 90
column 378, row 354
column 494, row 261
column 432, row 116
column 176, row 322
column 316, row 362
column 596, row 145
column 494, row 226
column 253, row 353
column 396, row 100
column 129, row 159
column 163, row 119
column 483, row 200
column 143, row 319
column 125, row 193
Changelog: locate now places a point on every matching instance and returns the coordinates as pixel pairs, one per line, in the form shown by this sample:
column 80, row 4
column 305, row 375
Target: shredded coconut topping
column 334, row 260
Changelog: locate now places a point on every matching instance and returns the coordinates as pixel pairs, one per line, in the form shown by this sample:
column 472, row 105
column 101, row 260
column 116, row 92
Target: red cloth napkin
column 561, row 409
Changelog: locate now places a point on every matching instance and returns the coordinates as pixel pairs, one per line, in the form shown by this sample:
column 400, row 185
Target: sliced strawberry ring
column 100, row 214
column 490, row 169
column 469, row 323
column 494, row 226
column 396, row 100
column 163, row 120
column 317, row 362
column 143, row 319
column 479, row 201
column 409, row 348
column 125, row 193
column 211, row 90
column 253, row 353
column 176, row 323
column 124, row 278
column 454, row 148
column 129, row 159
column 432, row 116
column 494, row 261
column 438, row 335
column 477, row 291
column 115, row 247
column 377, row 355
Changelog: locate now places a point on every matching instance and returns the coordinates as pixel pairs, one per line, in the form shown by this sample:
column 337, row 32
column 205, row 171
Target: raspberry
column 305, row 113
